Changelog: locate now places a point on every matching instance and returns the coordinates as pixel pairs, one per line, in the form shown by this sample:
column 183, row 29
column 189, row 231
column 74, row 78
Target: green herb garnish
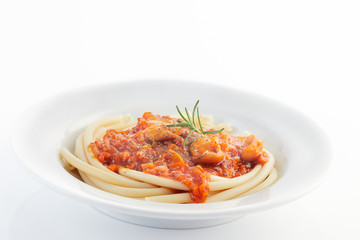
column 190, row 123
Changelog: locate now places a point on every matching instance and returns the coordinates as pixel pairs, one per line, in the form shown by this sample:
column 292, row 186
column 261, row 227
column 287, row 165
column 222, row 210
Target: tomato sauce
column 154, row 148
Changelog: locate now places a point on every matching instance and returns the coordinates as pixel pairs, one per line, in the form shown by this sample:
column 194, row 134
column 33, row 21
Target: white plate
column 301, row 149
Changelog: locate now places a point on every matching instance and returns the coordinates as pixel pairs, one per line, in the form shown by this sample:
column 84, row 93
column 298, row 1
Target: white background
column 304, row 53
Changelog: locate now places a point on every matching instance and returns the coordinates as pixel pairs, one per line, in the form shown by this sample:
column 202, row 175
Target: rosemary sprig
column 191, row 124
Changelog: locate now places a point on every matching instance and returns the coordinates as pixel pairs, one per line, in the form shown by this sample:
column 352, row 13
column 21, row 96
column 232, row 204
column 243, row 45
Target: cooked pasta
column 156, row 160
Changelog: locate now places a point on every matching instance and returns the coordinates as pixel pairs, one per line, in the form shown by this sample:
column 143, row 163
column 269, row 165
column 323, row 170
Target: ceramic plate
column 301, row 149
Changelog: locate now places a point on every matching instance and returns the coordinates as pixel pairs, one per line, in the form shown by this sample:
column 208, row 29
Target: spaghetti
column 149, row 160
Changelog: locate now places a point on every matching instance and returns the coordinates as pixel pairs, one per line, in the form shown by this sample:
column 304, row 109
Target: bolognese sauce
column 152, row 147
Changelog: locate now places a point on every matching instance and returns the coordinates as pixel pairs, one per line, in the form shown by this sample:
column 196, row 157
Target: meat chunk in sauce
column 252, row 150
column 204, row 150
column 160, row 133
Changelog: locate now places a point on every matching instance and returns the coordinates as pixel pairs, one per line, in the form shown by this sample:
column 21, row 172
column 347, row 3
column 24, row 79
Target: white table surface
column 304, row 53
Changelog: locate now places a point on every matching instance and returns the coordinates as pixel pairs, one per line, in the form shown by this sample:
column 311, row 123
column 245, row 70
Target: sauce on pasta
column 154, row 148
